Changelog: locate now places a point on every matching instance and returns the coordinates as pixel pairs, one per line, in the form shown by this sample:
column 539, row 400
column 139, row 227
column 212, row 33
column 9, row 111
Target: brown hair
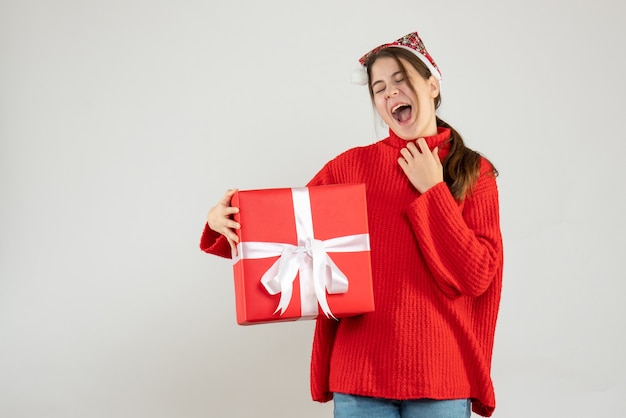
column 461, row 166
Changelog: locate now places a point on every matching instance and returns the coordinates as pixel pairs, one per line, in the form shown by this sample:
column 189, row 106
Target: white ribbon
column 318, row 272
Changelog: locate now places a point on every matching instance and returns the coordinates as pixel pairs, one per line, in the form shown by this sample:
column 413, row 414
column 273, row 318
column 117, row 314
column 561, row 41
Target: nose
column 391, row 91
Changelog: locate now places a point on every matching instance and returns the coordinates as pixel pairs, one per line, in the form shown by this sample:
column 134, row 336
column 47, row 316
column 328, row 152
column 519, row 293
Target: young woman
column 436, row 255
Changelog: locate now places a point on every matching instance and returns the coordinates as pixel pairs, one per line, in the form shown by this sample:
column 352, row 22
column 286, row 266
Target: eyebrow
column 392, row 76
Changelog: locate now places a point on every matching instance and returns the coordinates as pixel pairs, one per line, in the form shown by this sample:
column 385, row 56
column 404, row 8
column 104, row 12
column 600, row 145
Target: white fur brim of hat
column 359, row 75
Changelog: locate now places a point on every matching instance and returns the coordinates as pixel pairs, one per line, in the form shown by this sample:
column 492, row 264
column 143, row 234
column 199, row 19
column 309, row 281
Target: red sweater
column 437, row 278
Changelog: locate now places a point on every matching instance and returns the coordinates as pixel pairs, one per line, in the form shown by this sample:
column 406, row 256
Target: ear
column 433, row 85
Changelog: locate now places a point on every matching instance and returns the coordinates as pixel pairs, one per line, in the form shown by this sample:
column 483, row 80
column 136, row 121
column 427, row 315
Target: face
column 410, row 115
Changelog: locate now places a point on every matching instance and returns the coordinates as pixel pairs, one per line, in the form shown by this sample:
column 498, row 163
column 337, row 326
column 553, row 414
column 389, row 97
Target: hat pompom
column 359, row 76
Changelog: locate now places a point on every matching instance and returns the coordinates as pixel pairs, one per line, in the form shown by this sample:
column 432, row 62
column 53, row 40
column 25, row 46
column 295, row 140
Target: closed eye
column 378, row 87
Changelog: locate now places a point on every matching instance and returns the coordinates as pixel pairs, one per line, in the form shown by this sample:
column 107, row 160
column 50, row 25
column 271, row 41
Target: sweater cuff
column 214, row 243
column 439, row 192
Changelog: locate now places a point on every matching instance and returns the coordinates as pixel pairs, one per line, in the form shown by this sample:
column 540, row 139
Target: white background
column 123, row 122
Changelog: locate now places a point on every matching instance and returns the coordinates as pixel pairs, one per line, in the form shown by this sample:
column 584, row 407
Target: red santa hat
column 411, row 42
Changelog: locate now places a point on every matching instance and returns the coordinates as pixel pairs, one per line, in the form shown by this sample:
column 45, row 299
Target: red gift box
column 302, row 252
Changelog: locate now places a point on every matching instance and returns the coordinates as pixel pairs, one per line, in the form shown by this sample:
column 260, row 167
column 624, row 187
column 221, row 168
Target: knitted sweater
column 437, row 278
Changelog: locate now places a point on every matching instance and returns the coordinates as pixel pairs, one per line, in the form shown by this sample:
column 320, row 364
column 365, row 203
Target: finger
column 219, row 219
column 231, row 236
column 412, row 148
column 232, row 224
column 406, row 153
column 228, row 196
column 422, row 144
column 403, row 164
column 233, row 247
column 231, row 210
column 436, row 155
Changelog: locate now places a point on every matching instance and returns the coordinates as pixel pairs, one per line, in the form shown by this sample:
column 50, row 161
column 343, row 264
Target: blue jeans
column 352, row 406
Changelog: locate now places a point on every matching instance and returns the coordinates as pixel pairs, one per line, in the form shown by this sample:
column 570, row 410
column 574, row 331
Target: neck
column 438, row 139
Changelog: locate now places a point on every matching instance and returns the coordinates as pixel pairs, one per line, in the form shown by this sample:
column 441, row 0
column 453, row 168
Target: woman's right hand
column 220, row 219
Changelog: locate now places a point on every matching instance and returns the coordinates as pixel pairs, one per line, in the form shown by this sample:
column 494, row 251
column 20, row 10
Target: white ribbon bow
column 318, row 272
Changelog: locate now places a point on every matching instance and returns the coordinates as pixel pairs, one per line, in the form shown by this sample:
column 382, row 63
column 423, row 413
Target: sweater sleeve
column 325, row 328
column 462, row 246
column 323, row 340
column 214, row 243
column 323, row 177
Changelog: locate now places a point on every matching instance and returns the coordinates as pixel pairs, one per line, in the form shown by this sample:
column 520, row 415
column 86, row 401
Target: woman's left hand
column 422, row 166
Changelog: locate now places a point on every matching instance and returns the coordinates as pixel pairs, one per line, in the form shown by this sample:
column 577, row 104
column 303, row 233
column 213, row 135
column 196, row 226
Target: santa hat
column 411, row 42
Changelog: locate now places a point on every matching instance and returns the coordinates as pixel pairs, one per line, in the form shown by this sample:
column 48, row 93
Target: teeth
column 398, row 107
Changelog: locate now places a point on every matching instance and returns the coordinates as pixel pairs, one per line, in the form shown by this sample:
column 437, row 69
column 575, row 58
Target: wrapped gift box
column 302, row 252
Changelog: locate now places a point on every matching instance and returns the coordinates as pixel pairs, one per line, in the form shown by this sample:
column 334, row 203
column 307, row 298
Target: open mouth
column 401, row 112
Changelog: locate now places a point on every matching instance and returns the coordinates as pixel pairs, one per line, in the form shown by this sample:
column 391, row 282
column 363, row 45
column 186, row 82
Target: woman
column 436, row 255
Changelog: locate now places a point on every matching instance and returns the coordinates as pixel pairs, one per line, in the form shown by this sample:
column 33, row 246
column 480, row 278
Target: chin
column 405, row 136
column 416, row 130
column 407, row 132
